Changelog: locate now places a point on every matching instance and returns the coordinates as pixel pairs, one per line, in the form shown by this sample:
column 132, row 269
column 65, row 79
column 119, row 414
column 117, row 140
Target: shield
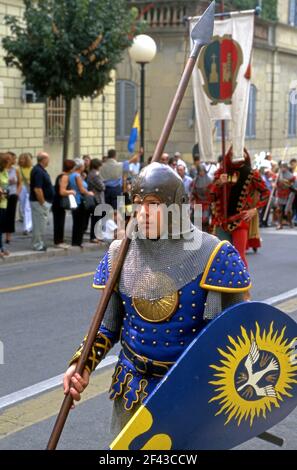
column 236, row 380
column 219, row 63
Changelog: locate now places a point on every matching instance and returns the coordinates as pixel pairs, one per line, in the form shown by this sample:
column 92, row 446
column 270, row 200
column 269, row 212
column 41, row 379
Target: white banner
column 221, row 82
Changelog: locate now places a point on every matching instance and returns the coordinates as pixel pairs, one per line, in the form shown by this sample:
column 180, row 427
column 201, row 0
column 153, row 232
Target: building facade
column 30, row 126
column 104, row 122
column 272, row 118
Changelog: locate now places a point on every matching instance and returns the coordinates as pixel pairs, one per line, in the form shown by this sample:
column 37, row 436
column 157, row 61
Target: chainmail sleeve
column 217, row 302
column 231, row 299
column 113, row 316
column 213, row 305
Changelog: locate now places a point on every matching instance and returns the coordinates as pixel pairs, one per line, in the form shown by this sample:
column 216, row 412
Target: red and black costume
column 245, row 190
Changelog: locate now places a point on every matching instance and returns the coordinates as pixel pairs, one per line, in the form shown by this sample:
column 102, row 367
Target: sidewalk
column 21, row 250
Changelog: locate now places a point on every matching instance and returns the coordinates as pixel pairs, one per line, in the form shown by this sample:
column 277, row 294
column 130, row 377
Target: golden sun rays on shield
column 256, row 371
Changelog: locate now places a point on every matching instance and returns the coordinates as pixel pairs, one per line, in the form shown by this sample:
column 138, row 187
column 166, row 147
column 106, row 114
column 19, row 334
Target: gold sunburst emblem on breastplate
column 160, row 309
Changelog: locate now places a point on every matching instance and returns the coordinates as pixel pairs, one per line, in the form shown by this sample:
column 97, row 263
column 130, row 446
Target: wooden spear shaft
column 223, row 132
column 201, row 35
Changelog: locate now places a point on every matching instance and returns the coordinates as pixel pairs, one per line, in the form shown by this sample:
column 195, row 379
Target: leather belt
column 144, row 365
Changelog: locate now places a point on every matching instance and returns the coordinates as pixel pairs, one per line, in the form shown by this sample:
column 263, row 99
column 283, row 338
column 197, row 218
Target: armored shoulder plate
column 225, row 271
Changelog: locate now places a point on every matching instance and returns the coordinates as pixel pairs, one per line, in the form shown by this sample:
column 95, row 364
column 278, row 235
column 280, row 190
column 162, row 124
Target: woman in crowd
column 59, row 212
column 14, row 189
column 25, row 168
column 4, row 182
column 285, row 183
column 80, row 186
column 97, row 186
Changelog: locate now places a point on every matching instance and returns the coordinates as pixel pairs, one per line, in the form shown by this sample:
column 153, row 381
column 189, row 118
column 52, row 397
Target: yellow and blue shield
column 237, row 379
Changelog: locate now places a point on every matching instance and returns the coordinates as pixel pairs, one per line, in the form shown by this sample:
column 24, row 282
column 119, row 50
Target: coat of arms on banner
column 219, row 63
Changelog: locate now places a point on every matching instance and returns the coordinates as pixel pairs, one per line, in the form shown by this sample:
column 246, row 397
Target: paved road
column 41, row 326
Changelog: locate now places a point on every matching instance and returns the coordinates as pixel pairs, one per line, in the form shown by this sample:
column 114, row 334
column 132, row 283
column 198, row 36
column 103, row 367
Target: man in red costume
column 246, row 192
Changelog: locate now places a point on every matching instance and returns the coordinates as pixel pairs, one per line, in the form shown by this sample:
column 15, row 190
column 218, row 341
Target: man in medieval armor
column 174, row 280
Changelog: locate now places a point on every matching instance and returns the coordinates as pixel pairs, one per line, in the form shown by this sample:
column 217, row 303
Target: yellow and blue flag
column 135, row 132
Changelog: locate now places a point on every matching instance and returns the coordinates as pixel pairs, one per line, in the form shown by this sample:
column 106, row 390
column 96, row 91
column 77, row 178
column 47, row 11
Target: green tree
column 269, row 7
column 69, row 47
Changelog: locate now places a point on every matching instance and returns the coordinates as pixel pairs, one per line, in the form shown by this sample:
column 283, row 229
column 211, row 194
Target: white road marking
column 273, row 231
column 45, row 386
column 279, row 298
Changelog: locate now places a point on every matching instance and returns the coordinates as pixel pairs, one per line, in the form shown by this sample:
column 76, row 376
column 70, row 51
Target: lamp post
column 142, row 51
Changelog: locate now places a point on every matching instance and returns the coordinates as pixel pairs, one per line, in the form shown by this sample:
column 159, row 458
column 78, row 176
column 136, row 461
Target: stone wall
column 22, row 125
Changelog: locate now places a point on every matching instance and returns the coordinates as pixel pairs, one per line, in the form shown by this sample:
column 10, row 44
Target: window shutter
column 126, row 106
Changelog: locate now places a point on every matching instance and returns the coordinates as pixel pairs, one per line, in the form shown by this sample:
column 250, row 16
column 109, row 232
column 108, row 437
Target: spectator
column 187, row 180
column 80, row 186
column 87, row 161
column 172, row 163
column 14, row 189
column 293, row 166
column 25, row 168
column 134, row 168
column 164, row 158
column 97, row 186
column 41, row 198
column 4, row 181
column 194, row 168
column 283, row 189
column 61, row 190
column 200, row 195
column 269, row 179
column 112, row 174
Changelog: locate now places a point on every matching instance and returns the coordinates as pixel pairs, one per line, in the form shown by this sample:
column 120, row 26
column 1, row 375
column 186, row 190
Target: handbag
column 68, row 202
column 65, row 203
column 89, row 202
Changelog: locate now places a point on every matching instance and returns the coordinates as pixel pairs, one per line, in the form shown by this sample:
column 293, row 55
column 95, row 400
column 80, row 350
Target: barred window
column 292, row 114
column 55, row 118
column 293, row 13
column 251, row 117
column 126, row 106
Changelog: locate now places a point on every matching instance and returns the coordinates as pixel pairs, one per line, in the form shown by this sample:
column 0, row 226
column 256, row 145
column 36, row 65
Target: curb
column 20, row 256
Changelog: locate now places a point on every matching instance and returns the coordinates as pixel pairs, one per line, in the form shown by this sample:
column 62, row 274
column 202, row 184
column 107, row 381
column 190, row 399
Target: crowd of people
column 252, row 198
column 82, row 185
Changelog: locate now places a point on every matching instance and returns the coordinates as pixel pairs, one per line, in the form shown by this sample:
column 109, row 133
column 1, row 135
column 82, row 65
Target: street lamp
column 142, row 51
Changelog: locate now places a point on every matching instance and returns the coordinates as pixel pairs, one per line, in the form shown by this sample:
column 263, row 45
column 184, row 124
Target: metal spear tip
column 203, row 30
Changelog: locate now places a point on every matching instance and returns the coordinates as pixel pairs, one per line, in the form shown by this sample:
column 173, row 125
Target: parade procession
column 148, row 222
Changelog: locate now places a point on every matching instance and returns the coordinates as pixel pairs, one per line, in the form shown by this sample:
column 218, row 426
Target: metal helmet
column 162, row 181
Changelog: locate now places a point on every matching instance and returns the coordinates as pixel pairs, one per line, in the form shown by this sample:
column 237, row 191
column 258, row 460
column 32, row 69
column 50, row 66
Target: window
column 292, row 114
column 293, row 13
column 55, row 118
column 251, row 117
column 126, row 106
